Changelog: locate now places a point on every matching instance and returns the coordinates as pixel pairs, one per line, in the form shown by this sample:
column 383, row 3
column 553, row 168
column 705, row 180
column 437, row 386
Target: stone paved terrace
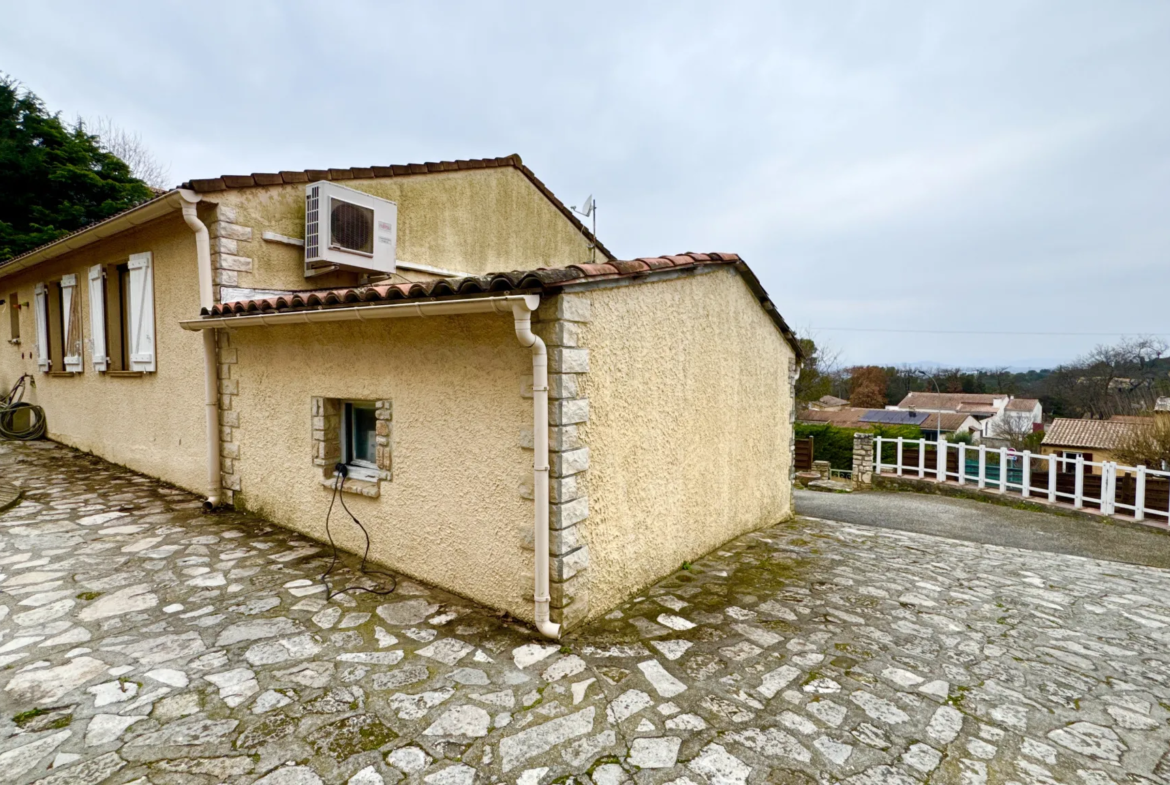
column 141, row 641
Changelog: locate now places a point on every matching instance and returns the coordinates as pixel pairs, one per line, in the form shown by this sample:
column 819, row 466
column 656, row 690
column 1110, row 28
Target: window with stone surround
column 355, row 433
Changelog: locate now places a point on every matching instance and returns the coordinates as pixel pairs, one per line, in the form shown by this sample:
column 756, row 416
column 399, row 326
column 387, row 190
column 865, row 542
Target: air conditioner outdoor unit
column 348, row 229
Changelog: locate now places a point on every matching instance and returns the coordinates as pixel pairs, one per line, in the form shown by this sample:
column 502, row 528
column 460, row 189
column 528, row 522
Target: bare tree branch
column 130, row 148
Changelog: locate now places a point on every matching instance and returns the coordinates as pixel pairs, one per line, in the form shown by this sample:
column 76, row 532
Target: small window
column 356, row 434
column 14, row 317
column 359, row 439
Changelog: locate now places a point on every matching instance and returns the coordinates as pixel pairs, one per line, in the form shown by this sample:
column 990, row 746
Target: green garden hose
column 13, row 411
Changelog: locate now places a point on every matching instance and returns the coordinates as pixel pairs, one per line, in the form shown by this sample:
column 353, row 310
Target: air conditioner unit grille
column 348, row 230
column 312, row 223
column 351, row 226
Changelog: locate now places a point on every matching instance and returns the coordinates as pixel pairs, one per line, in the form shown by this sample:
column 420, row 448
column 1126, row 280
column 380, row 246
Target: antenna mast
column 589, row 209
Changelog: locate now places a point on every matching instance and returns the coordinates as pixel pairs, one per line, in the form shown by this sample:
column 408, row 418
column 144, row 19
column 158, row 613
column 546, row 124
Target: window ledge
column 61, row 374
column 125, row 374
column 360, row 487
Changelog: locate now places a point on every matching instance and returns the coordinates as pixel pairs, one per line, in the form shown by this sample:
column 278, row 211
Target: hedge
column 835, row 444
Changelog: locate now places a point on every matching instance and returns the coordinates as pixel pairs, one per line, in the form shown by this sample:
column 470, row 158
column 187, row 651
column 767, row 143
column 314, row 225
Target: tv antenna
column 589, row 209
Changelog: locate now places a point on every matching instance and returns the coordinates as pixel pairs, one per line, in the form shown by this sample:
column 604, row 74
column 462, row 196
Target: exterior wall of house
column 473, row 221
column 1099, row 456
column 152, row 423
column 689, row 431
column 454, row 512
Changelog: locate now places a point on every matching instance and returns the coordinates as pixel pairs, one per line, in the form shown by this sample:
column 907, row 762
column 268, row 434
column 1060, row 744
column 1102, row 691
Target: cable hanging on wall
column 340, row 473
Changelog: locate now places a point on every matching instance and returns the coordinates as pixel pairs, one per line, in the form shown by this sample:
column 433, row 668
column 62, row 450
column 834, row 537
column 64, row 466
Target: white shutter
column 41, row 310
column 141, row 312
column 97, row 317
column 71, row 321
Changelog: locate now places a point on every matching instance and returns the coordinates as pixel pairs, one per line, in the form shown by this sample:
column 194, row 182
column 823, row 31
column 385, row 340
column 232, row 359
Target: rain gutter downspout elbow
column 522, row 314
column 210, row 380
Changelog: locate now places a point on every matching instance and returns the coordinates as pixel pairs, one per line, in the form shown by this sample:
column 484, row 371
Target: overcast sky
column 1000, row 166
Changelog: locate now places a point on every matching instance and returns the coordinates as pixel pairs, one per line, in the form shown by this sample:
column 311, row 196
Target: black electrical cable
column 12, row 404
column 340, row 473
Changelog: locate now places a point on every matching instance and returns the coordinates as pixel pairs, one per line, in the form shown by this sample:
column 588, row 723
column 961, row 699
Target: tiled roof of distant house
column 1092, row 434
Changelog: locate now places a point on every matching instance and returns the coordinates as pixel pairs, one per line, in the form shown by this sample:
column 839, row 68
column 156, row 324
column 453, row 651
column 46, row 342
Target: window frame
column 359, row 468
column 14, row 319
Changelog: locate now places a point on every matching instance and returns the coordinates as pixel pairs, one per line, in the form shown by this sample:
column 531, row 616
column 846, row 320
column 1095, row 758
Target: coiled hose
column 12, row 406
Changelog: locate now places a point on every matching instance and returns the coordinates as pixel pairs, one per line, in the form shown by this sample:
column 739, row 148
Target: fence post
column 1079, row 487
column 921, row 458
column 877, row 455
column 899, row 456
column 940, row 456
column 1052, row 478
column 1026, row 479
column 1108, row 487
column 1139, row 496
column 1003, row 470
column 863, row 459
column 982, row 466
column 962, row 463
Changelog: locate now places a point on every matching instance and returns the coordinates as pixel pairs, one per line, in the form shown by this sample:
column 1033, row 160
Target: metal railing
column 1143, row 493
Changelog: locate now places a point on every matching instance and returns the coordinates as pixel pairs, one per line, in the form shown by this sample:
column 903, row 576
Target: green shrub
column 835, row 445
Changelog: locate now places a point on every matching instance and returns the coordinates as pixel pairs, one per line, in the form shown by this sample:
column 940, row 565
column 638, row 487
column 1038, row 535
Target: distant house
column 996, row 413
column 852, row 417
column 828, row 403
column 1096, row 440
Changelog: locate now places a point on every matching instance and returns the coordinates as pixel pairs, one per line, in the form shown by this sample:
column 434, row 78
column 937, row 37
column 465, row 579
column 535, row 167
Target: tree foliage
column 1122, row 378
column 54, row 179
column 816, row 371
column 867, row 387
column 1146, row 444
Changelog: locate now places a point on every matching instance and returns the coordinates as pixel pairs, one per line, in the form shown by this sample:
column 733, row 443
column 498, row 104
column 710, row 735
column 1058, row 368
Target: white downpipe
column 210, row 373
column 521, row 306
column 522, row 313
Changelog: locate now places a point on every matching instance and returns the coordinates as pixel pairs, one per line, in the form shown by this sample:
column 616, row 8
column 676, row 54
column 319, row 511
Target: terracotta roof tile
column 546, row 279
column 1090, row 434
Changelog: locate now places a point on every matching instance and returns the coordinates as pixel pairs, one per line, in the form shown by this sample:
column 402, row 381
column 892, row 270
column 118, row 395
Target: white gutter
column 521, row 307
column 148, row 211
column 498, row 304
column 210, row 381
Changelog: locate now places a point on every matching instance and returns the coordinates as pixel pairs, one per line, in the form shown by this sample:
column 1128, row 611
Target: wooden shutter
column 97, row 317
column 71, row 321
column 141, row 312
column 41, row 311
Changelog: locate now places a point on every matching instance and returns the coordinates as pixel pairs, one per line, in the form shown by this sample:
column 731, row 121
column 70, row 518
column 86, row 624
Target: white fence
column 1134, row 491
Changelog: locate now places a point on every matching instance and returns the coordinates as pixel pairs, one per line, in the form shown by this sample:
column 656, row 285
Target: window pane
column 362, row 432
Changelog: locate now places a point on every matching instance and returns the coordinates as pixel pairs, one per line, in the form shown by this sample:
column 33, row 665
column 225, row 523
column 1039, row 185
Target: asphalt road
column 974, row 521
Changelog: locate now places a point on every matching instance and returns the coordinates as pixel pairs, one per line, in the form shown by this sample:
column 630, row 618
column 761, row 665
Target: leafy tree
column 867, row 387
column 53, row 179
column 816, row 371
column 1146, row 443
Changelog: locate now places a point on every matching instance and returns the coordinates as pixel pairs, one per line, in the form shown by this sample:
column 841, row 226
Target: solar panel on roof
column 891, row 417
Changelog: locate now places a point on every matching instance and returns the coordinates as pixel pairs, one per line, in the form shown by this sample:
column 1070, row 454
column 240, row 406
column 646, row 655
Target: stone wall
column 862, row 460
column 558, row 322
column 229, row 417
column 229, row 242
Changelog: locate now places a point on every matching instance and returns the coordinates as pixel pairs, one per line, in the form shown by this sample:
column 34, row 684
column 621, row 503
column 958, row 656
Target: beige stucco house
column 551, row 438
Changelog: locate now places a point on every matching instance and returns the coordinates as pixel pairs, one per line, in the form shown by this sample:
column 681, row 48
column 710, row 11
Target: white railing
column 1010, row 471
